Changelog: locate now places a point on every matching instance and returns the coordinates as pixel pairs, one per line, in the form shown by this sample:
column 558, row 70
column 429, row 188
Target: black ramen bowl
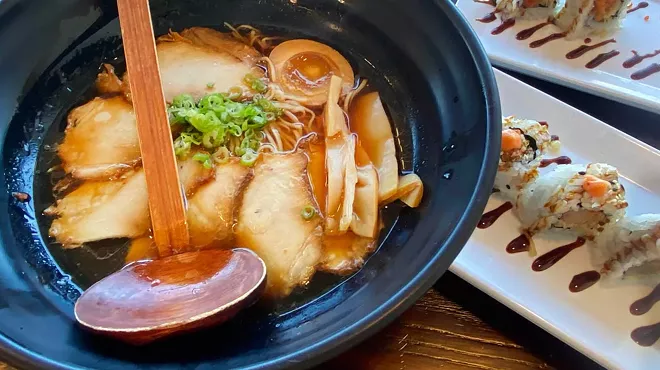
column 441, row 95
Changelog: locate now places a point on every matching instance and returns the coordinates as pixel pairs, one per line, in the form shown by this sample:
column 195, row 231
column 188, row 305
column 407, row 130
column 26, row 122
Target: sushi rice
column 519, row 166
column 628, row 246
column 526, row 9
column 582, row 18
column 562, row 199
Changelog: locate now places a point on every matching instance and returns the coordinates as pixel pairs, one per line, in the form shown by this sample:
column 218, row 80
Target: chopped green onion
column 216, row 119
column 204, row 158
column 235, row 93
column 185, row 141
column 210, row 85
column 183, row 101
column 255, row 83
column 308, row 212
column 221, row 156
column 249, row 157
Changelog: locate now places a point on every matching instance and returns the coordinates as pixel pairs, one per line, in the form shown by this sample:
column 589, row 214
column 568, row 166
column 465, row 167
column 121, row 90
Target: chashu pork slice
column 270, row 221
column 223, row 42
column 192, row 174
column 205, row 64
column 101, row 140
column 210, row 211
column 100, row 210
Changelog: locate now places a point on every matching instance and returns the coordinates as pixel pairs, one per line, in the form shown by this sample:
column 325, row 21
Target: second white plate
column 610, row 79
column 597, row 320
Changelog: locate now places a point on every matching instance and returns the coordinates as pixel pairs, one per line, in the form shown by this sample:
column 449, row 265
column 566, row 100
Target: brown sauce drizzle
column 559, row 160
column 641, row 5
column 489, row 218
column 587, row 40
column 519, row 244
column 644, row 305
column 645, row 72
column 549, row 259
column 543, row 123
column 583, row 281
column 527, row 33
column 601, row 58
column 554, row 137
column 503, row 27
column 636, row 58
column 582, row 49
column 547, row 39
column 490, row 17
column 646, row 336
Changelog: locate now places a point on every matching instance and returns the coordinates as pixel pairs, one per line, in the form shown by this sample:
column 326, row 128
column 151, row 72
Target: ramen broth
column 298, row 125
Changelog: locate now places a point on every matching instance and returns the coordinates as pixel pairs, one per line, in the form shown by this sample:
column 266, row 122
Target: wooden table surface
column 456, row 326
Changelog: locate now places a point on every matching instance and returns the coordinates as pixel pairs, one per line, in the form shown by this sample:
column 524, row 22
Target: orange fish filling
column 595, row 186
column 511, row 140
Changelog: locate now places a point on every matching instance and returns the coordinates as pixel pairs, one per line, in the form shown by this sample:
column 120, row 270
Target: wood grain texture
column 456, row 326
column 166, row 207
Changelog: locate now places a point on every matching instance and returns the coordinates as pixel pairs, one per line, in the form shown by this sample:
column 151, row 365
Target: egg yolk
column 309, row 69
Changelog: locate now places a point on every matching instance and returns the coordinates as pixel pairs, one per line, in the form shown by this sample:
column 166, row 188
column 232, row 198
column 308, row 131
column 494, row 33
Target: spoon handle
column 168, row 218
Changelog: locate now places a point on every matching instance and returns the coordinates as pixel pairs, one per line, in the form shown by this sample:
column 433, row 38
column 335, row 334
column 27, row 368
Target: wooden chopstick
column 168, row 217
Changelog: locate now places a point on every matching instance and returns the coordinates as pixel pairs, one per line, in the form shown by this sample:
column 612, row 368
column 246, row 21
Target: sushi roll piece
column 581, row 18
column 524, row 142
column 526, row 9
column 581, row 198
column 630, row 247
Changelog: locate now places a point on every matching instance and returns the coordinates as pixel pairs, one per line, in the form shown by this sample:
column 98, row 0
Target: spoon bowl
column 147, row 300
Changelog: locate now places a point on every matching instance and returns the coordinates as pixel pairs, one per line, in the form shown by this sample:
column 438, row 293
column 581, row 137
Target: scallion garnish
column 308, row 212
column 255, row 83
column 216, row 121
column 221, row 155
column 249, row 157
column 203, row 158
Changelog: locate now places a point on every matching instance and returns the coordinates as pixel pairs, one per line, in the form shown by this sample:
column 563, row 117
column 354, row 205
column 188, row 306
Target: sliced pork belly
column 192, row 174
column 211, row 210
column 207, row 63
column 222, row 42
column 270, row 221
column 101, row 139
column 100, row 210
column 199, row 61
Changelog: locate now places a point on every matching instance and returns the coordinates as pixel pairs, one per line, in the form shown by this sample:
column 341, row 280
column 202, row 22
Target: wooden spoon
column 147, row 300
column 168, row 216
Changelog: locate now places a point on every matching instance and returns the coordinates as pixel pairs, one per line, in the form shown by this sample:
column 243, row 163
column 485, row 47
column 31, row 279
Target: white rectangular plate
column 610, row 79
column 595, row 321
